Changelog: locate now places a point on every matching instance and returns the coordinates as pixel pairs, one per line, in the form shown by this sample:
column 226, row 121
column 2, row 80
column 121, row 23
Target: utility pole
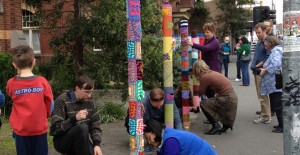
column 291, row 77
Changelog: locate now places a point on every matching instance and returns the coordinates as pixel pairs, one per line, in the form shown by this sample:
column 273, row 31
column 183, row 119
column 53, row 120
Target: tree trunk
column 78, row 47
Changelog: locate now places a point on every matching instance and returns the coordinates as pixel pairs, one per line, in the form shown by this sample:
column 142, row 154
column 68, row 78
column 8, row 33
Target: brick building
column 17, row 27
column 10, row 24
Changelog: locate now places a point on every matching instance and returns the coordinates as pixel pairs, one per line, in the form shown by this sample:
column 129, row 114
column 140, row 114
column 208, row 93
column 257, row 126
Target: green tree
column 199, row 16
column 101, row 24
column 234, row 16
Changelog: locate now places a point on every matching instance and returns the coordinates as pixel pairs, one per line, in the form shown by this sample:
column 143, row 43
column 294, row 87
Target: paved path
column 246, row 138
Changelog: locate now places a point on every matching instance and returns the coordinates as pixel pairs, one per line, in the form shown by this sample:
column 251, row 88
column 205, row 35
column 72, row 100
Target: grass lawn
column 7, row 145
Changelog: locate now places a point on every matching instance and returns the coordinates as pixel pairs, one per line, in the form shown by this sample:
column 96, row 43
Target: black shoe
column 195, row 111
column 225, row 128
column 216, row 129
column 276, row 126
column 258, row 112
column 206, row 122
column 278, row 130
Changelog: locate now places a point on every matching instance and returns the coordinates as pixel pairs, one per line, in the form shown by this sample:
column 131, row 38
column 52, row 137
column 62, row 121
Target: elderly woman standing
column 273, row 63
column 211, row 47
column 223, row 106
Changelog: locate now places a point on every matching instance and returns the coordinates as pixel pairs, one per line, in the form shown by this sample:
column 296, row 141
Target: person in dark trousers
column 238, row 58
column 31, row 96
column 225, row 51
column 171, row 141
column 75, row 120
column 269, row 67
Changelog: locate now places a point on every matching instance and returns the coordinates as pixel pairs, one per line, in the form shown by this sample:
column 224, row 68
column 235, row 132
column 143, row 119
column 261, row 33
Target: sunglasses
column 156, row 99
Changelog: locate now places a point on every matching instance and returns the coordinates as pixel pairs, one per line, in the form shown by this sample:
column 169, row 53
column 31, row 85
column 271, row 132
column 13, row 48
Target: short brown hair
column 83, row 79
column 210, row 27
column 23, row 56
column 261, row 25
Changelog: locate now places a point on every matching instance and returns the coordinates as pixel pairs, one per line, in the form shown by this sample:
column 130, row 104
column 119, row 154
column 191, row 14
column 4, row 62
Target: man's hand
column 0, row 111
column 259, row 64
column 97, row 150
column 263, row 72
column 81, row 115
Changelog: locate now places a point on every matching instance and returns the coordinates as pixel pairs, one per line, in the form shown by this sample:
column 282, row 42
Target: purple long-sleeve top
column 210, row 53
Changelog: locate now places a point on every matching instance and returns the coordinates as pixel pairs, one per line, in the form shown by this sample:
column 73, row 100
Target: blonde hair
column 200, row 66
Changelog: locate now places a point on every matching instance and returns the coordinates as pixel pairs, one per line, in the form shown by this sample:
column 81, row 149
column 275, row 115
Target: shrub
column 110, row 112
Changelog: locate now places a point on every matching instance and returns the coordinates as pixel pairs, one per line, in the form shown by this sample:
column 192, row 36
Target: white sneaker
column 237, row 79
column 262, row 120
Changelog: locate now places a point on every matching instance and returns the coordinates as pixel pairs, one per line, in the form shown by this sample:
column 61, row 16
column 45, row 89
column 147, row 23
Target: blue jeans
column 225, row 63
column 245, row 72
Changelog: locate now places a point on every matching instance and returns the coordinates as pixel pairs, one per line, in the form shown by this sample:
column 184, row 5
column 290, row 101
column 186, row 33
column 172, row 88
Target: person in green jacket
column 245, row 59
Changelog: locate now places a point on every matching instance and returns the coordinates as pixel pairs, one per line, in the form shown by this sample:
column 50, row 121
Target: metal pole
column 291, row 80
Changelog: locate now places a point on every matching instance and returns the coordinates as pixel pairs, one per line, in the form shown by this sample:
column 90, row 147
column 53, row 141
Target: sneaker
column 237, row 79
column 262, row 120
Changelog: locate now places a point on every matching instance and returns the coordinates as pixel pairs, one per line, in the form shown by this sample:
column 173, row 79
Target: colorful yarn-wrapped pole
column 135, row 75
column 185, row 74
column 167, row 28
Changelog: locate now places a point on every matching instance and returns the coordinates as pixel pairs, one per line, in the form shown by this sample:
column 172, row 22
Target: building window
column 28, row 19
column 31, row 31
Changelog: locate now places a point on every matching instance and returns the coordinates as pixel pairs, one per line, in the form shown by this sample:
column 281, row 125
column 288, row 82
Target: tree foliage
column 199, row 15
column 234, row 16
column 102, row 24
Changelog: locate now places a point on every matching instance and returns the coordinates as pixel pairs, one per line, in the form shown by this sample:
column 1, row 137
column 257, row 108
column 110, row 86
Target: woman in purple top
column 210, row 49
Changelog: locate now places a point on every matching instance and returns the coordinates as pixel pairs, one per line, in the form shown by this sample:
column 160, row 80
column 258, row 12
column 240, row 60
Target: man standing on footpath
column 261, row 55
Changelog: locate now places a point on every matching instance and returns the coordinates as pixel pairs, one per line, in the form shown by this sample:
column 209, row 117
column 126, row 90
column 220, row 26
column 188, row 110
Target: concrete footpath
column 246, row 138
